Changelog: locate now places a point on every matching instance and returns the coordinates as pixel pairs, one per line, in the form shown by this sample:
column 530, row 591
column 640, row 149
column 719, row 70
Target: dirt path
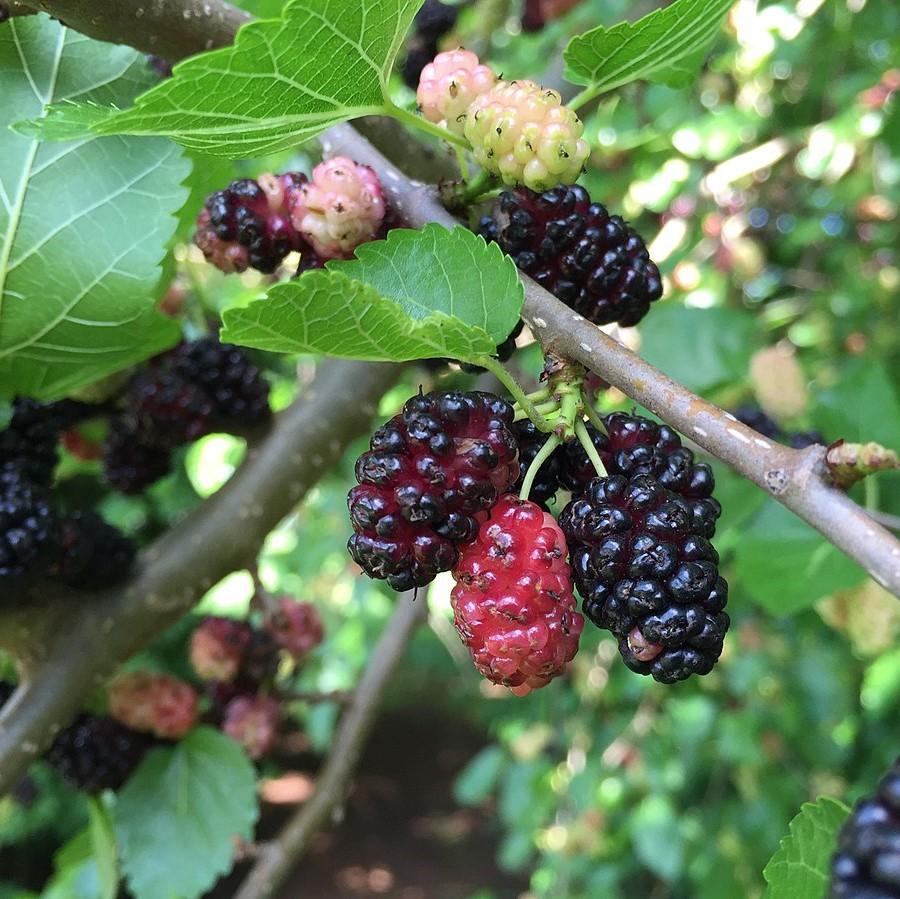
column 403, row 836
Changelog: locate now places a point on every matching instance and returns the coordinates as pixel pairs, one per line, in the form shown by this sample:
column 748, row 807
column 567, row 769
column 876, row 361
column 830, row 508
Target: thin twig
column 278, row 858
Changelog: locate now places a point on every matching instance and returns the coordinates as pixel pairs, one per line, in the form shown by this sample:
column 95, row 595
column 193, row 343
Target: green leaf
column 178, row 814
column 76, row 873
column 656, row 837
column 786, row 566
column 701, row 348
column 863, row 405
column 326, row 312
column 84, row 225
column 799, row 869
column 666, row 46
column 480, row 776
column 283, row 81
column 436, row 270
column 103, row 847
column 416, row 295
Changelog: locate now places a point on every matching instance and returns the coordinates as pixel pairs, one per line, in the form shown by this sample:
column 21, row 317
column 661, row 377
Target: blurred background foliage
column 769, row 191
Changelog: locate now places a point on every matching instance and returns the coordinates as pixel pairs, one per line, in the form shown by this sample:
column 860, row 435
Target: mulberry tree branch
column 796, row 478
column 70, row 644
column 172, row 29
column 277, row 859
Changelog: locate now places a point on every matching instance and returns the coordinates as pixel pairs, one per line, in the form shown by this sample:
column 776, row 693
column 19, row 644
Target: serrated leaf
column 666, row 46
column 84, row 225
column 177, row 816
column 327, row 312
column 417, row 295
column 436, row 270
column 283, row 81
column 799, row 869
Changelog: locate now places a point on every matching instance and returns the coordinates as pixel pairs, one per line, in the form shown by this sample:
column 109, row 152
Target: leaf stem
column 417, row 121
column 585, row 440
column 585, row 96
column 544, row 453
column 495, row 367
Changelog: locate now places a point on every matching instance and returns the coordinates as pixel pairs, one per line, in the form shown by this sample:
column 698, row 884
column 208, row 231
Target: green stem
column 509, row 382
column 872, row 493
column 417, row 121
column 585, row 440
column 585, row 96
column 594, row 417
column 550, row 444
column 540, row 395
column 462, row 162
column 483, row 182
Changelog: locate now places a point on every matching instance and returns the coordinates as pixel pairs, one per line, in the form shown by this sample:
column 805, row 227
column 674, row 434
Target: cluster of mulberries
column 755, row 418
column 255, row 223
column 239, row 662
column 36, row 539
column 517, row 130
column 867, row 861
column 637, row 540
column 429, row 473
column 434, row 20
column 596, row 263
column 189, row 391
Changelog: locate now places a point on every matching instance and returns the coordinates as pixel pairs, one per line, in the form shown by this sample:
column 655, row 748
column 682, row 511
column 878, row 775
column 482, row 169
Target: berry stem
column 409, row 118
column 585, row 440
column 462, row 162
column 594, row 417
column 495, row 367
column 477, row 187
column 550, row 444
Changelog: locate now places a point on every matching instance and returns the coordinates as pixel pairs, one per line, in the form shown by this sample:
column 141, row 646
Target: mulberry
column 596, row 263
column 647, row 572
column 524, row 134
column 513, row 603
column 430, row 470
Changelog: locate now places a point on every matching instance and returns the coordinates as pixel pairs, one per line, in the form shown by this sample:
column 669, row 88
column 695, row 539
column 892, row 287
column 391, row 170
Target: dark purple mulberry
column 97, row 753
column 94, row 553
column 130, row 465
column 430, row 470
column 635, row 445
column 867, row 862
column 237, row 391
column 647, row 572
column 29, row 531
column 594, row 262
